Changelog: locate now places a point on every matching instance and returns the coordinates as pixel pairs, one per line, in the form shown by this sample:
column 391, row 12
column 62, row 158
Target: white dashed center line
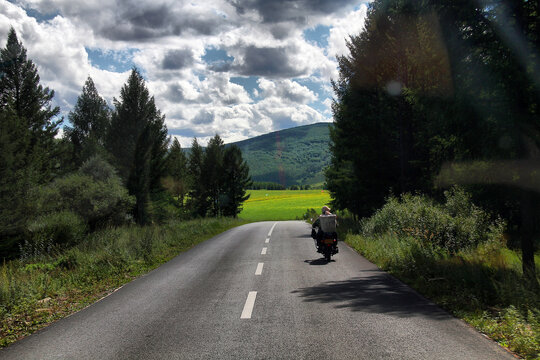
column 259, row 269
column 272, row 229
column 248, row 307
column 250, row 301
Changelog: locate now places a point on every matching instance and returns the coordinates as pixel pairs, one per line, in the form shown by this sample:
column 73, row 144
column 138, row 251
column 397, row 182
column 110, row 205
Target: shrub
column 457, row 224
column 98, row 169
column 62, row 228
column 95, row 194
column 310, row 215
column 513, row 329
column 164, row 208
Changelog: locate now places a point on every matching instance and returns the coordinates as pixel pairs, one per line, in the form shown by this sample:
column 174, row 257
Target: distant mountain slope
column 295, row 156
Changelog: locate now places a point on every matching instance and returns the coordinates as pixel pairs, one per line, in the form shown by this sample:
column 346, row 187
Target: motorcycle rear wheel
column 328, row 255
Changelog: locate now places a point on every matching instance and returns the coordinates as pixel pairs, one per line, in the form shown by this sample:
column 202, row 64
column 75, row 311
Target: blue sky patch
column 41, row 18
column 213, row 55
column 319, row 90
column 314, row 86
column 187, row 132
column 319, row 35
column 319, row 106
column 116, row 61
column 201, row 76
column 249, row 83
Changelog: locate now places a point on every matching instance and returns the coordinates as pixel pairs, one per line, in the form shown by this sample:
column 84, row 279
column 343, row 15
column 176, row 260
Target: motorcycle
column 326, row 236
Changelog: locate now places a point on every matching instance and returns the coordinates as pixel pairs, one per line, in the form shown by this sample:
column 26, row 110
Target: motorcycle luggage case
column 328, row 223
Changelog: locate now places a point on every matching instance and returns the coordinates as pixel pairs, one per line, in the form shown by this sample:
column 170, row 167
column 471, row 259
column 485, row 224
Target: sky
column 237, row 68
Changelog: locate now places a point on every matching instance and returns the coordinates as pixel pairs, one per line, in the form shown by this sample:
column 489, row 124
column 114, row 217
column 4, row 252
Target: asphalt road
column 217, row 302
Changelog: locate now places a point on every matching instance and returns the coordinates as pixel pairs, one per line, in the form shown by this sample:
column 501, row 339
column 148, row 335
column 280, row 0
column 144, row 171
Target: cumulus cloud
column 343, row 28
column 269, row 62
column 204, row 117
column 55, row 48
column 285, row 78
column 328, row 103
column 297, row 11
column 287, row 90
column 178, row 59
column 135, row 20
column 217, row 89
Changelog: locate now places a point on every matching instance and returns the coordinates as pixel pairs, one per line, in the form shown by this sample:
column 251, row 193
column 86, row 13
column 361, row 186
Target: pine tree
column 212, row 173
column 198, row 201
column 27, row 144
column 15, row 181
column 21, row 91
column 138, row 143
column 389, row 97
column 236, row 180
column 90, row 120
column 469, row 91
column 177, row 173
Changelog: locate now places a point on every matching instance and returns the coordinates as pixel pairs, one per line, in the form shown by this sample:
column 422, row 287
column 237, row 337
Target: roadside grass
column 39, row 289
column 483, row 285
column 282, row 204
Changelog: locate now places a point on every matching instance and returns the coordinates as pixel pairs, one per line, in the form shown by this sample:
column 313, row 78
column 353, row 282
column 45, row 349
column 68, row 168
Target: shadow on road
column 321, row 261
column 376, row 293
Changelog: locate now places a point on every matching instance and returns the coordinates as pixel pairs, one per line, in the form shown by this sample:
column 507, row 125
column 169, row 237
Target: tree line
column 435, row 93
column 112, row 166
column 268, row 185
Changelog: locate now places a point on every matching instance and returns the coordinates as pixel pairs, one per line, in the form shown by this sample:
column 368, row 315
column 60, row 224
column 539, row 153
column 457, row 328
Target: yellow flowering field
column 282, row 204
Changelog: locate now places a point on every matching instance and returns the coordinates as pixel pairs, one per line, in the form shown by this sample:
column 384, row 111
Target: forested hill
column 295, row 156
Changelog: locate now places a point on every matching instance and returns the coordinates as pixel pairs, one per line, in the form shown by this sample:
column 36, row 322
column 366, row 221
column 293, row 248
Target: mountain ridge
column 294, row 156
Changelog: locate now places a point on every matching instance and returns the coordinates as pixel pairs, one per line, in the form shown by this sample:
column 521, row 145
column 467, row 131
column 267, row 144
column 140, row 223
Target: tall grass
column 43, row 286
column 461, row 262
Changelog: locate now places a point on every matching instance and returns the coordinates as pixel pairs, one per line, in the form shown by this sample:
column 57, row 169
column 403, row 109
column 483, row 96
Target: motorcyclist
column 318, row 234
column 325, row 211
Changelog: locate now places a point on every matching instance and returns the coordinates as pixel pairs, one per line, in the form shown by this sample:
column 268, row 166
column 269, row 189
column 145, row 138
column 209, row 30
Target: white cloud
column 167, row 39
column 328, row 103
column 57, row 48
column 287, row 90
column 352, row 24
column 217, row 89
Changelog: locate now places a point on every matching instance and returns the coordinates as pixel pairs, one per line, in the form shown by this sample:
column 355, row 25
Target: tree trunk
column 528, row 232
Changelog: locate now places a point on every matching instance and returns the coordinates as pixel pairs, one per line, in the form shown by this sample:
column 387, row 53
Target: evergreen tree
column 493, row 51
column 212, row 173
column 236, row 180
column 138, row 142
column 21, row 91
column 382, row 136
column 90, row 120
column 15, row 181
column 27, row 144
column 198, row 201
column 177, row 173
column 467, row 91
column 158, row 161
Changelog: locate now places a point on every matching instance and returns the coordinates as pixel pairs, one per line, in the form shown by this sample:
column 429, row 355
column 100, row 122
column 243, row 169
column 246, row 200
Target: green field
column 282, row 204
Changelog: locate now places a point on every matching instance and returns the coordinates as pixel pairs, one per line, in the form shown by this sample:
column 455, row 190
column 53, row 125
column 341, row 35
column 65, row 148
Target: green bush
column 310, row 215
column 458, row 224
column 95, row 194
column 513, row 329
column 58, row 228
column 164, row 208
column 98, row 169
column 454, row 254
